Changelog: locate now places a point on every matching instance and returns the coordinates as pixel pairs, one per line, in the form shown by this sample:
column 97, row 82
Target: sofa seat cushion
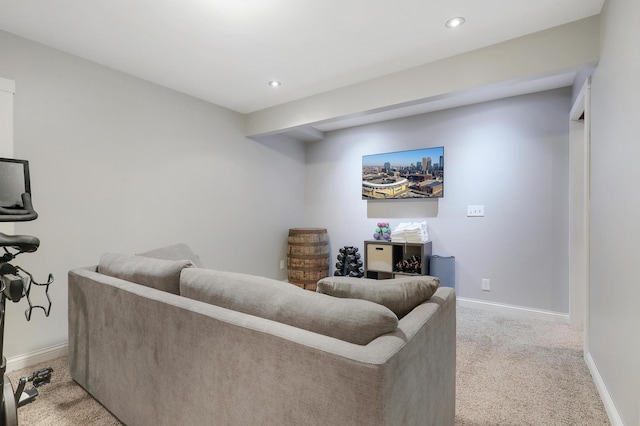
column 351, row 320
column 179, row 251
column 156, row 273
column 400, row 295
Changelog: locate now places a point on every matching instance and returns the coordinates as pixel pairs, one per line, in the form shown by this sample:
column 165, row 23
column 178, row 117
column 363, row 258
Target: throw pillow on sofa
column 400, row 295
column 179, row 251
column 351, row 320
column 156, row 273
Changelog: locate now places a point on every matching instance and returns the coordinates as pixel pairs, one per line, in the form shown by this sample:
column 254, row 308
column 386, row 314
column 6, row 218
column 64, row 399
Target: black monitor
column 14, row 181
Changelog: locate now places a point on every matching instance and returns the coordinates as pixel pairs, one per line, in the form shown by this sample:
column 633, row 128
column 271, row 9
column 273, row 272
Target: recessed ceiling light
column 275, row 83
column 454, row 22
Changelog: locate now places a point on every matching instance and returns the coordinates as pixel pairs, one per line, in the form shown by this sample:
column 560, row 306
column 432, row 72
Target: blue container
column 444, row 267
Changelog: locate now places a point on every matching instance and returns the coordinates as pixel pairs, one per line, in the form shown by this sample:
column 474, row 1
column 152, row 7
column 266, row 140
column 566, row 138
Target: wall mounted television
column 417, row 173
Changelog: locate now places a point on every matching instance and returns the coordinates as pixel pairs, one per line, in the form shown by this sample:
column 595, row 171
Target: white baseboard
column 609, row 406
column 41, row 355
column 514, row 310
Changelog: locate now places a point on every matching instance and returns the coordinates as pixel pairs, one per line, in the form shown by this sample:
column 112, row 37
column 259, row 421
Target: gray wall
column 119, row 164
column 511, row 155
column 615, row 229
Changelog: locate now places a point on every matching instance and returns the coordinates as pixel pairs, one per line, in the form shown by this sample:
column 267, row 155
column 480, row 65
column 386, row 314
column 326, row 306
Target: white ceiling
column 225, row 51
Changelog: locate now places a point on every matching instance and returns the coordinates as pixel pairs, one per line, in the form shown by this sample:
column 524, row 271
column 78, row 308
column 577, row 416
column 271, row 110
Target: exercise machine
column 15, row 282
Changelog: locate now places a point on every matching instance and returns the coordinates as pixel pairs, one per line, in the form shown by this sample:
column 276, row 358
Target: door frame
column 579, row 211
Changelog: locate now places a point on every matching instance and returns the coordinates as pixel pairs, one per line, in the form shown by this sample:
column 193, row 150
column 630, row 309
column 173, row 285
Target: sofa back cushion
column 156, row 273
column 351, row 320
column 400, row 295
column 179, row 251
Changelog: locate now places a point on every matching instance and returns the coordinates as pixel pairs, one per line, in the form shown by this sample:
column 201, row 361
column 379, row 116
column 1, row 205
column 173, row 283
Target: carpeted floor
column 522, row 372
column 61, row 402
column 509, row 372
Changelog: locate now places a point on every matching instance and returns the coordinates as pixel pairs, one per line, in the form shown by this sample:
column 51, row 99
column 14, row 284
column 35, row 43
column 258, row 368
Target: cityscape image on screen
column 417, row 173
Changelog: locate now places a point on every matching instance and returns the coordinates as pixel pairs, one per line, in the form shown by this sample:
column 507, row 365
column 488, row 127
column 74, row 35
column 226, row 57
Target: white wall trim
column 7, row 93
column 41, row 355
column 580, row 103
column 609, row 406
column 579, row 214
column 519, row 311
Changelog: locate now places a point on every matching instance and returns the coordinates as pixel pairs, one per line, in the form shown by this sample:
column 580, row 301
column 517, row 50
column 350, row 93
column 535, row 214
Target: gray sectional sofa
column 160, row 341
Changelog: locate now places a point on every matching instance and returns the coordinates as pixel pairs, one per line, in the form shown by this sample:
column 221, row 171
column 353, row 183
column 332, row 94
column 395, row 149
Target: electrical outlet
column 486, row 284
column 282, row 264
column 475, row 211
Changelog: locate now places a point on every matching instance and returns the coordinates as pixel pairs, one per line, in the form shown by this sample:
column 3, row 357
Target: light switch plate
column 475, row 211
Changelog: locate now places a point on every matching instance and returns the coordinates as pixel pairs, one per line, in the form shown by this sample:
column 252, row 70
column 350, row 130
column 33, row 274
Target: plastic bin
column 444, row 267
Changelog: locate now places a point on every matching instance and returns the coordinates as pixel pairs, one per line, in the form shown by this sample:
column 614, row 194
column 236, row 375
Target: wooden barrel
column 307, row 256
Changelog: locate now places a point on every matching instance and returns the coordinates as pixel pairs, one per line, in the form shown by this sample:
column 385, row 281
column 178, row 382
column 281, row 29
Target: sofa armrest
column 421, row 378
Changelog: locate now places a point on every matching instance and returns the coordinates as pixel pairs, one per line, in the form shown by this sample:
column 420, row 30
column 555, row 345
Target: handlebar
column 24, row 214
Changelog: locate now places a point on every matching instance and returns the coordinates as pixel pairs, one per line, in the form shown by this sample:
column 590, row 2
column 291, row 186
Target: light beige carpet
column 509, row 372
column 522, row 372
column 61, row 402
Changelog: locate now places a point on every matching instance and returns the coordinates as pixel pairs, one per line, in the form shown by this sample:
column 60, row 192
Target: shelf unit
column 381, row 257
